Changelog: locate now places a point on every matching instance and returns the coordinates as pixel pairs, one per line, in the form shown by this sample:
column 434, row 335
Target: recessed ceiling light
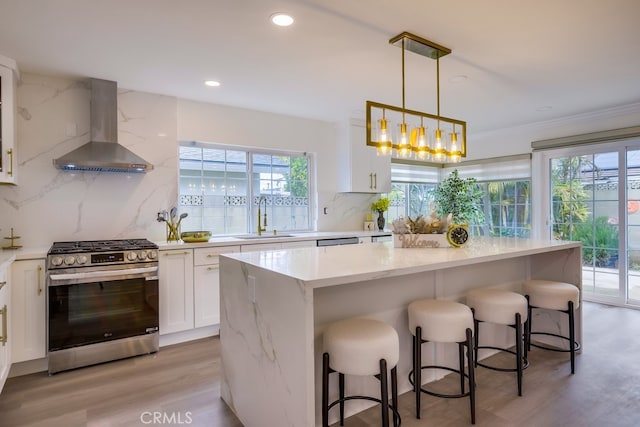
column 458, row 79
column 544, row 108
column 212, row 83
column 281, row 19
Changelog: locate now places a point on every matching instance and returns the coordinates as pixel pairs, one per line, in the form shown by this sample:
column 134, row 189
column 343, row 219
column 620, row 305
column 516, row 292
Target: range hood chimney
column 103, row 153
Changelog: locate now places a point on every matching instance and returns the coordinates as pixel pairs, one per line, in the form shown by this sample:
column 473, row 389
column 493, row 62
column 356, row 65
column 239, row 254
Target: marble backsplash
column 51, row 205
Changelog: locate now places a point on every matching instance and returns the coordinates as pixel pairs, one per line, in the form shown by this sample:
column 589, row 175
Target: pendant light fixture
column 412, row 140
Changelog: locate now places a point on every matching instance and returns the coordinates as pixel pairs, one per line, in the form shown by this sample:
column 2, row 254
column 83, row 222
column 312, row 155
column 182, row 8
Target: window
column 505, row 182
column 410, row 199
column 507, row 208
column 220, row 187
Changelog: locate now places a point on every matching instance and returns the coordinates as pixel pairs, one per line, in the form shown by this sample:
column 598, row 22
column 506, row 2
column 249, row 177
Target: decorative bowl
column 195, row 236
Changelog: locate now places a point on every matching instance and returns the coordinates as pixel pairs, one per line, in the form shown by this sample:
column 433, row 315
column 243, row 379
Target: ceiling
column 525, row 61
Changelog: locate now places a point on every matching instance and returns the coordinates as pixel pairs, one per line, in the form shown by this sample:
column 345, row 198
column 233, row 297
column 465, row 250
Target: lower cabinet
column 175, row 290
column 5, row 330
column 28, row 317
column 190, row 288
column 206, row 284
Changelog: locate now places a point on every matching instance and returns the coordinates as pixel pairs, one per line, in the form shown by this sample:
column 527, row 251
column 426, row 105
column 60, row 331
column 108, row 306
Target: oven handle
column 111, row 274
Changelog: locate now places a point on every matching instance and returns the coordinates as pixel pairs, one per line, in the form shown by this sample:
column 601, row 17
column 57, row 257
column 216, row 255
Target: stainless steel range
column 102, row 301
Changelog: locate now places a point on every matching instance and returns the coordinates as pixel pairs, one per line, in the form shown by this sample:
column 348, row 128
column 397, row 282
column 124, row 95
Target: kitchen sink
column 264, row 236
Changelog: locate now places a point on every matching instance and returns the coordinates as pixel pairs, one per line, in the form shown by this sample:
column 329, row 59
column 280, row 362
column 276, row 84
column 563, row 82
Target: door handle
column 39, row 285
column 4, row 337
column 10, row 153
column 375, row 180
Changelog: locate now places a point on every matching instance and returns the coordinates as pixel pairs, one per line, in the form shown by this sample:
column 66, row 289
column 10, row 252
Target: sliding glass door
column 593, row 196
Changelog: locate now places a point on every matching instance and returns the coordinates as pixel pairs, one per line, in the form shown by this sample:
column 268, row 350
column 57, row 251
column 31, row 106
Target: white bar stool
column 360, row 346
column 442, row 321
column 504, row 308
column 559, row 296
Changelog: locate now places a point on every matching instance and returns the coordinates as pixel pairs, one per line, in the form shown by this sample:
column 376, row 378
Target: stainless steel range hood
column 103, row 153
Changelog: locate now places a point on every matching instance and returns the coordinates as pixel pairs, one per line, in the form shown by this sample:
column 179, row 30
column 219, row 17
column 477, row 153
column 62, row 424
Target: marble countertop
column 327, row 266
column 8, row 256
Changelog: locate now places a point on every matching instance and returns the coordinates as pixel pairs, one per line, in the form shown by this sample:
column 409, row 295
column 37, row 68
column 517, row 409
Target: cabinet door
column 28, row 317
column 5, row 326
column 368, row 172
column 8, row 161
column 206, row 284
column 207, row 295
column 260, row 247
column 299, row 244
column 176, row 290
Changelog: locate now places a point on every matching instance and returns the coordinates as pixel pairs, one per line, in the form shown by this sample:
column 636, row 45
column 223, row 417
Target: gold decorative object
column 195, row 236
column 173, row 223
column 13, row 239
column 412, row 140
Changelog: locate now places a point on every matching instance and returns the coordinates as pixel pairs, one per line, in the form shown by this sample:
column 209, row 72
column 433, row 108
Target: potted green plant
column 381, row 206
column 460, row 198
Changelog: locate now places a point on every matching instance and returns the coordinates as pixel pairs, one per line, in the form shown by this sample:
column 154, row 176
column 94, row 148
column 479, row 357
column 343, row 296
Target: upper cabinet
column 365, row 171
column 8, row 161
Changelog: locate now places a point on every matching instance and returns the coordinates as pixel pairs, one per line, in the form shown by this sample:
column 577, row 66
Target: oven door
column 97, row 304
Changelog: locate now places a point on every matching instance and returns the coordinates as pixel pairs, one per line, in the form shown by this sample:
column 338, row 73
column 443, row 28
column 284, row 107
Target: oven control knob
column 131, row 256
column 153, row 255
column 69, row 260
column 56, row 260
column 142, row 254
column 82, row 259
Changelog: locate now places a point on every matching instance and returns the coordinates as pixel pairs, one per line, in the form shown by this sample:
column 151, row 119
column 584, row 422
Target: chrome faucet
column 260, row 226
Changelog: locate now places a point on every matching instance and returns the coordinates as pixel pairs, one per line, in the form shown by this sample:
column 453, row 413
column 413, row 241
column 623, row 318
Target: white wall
column 517, row 140
column 51, row 205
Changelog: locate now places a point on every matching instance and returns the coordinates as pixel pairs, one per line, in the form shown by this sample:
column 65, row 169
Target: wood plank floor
column 183, row 381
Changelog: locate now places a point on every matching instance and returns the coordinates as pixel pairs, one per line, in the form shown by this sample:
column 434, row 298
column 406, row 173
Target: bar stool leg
column 461, row 365
column 472, row 377
column 572, row 338
column 325, row 390
column 529, row 322
column 417, row 368
column 519, row 352
column 384, row 393
column 476, row 335
column 394, row 395
column 341, row 391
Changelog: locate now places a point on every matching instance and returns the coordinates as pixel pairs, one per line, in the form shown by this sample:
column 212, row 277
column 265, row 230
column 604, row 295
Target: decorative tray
column 195, row 236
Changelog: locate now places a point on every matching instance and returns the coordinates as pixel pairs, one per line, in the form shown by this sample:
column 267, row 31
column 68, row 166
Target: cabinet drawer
column 207, row 256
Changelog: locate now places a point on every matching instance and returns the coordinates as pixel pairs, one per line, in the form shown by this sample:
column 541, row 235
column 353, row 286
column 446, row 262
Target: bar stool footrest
column 496, row 368
column 436, row 394
column 373, row 399
column 576, row 346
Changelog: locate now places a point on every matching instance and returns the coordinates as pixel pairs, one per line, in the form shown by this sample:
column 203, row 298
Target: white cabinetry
column 28, row 321
column 366, row 172
column 278, row 245
column 8, row 161
column 5, row 323
column 176, row 290
column 206, row 284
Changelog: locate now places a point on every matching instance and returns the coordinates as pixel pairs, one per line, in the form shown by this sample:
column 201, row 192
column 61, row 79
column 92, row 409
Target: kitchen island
column 276, row 304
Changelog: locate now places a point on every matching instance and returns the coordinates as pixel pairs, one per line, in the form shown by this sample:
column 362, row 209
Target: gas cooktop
column 100, row 246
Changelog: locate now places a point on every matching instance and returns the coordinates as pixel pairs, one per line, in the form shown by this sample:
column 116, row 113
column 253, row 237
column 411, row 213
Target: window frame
column 251, row 194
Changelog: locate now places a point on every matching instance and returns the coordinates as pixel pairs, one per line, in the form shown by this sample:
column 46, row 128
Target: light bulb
column 438, row 152
column 384, row 143
column 423, row 148
column 404, row 150
column 455, row 152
